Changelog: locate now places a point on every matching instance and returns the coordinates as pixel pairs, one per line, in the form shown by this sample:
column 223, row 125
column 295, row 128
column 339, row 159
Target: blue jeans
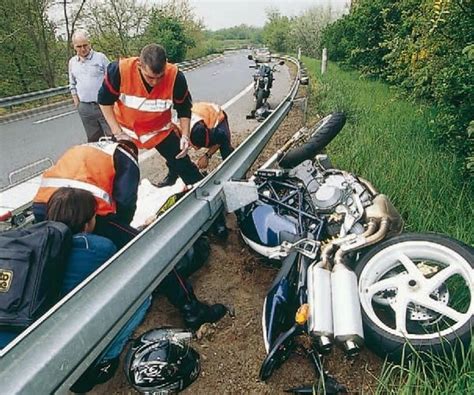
column 118, row 344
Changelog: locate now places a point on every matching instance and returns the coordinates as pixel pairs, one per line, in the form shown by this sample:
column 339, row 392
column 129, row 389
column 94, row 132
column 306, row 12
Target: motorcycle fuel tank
column 264, row 226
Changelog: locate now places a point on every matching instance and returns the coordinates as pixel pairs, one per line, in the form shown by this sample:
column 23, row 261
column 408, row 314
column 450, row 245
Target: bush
column 426, row 48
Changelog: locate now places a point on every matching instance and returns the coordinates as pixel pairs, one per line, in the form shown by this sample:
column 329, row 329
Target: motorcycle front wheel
column 259, row 97
column 417, row 295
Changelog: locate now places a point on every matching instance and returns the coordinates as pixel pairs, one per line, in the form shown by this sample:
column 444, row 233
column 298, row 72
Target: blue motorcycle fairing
column 265, row 227
column 278, row 316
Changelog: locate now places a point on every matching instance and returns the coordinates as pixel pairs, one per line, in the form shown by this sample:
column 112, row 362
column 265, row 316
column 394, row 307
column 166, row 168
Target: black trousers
column 177, row 289
column 184, row 167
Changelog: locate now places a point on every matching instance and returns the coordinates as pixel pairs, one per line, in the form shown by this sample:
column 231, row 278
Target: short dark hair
column 198, row 135
column 71, row 206
column 153, row 56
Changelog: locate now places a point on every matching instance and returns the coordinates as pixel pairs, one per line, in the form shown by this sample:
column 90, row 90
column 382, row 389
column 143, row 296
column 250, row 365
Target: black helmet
column 161, row 360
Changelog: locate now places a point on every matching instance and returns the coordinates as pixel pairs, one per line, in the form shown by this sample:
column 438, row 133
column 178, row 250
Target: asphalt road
column 27, row 142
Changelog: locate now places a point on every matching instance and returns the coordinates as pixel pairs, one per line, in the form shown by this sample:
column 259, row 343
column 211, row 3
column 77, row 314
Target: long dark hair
column 73, row 207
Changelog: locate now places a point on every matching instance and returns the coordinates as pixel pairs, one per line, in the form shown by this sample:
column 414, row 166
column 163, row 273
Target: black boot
column 170, row 179
column 197, row 313
column 97, row 373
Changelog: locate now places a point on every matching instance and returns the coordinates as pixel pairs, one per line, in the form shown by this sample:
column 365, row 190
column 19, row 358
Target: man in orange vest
column 137, row 97
column 110, row 172
column 209, row 129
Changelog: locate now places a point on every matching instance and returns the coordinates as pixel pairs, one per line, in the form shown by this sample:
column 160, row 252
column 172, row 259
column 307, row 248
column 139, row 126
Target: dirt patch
column 232, row 350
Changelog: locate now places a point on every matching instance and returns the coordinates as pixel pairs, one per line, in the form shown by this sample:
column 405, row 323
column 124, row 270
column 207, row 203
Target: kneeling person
column 209, row 129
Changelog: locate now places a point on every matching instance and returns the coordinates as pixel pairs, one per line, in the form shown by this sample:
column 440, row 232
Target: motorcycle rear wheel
column 417, row 296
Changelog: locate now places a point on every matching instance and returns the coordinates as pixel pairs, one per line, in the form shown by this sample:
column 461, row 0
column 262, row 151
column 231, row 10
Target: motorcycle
column 263, row 82
column 348, row 275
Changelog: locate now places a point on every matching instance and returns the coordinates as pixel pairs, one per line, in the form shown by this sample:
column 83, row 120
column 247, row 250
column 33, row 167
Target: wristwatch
column 207, row 155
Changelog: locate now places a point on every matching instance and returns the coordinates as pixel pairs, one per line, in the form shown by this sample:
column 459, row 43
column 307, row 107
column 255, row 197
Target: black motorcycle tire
column 320, row 138
column 396, row 347
column 259, row 97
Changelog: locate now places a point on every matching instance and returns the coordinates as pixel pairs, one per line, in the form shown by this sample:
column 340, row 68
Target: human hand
column 203, row 162
column 184, row 147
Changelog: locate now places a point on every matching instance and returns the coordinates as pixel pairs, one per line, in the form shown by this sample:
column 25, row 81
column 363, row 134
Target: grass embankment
column 387, row 140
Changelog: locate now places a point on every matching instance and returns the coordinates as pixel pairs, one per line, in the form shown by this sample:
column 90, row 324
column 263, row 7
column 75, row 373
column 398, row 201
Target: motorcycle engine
column 330, row 193
column 336, row 194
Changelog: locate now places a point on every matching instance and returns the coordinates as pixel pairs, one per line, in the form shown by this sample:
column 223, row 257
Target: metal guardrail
column 52, row 353
column 43, row 94
column 27, row 97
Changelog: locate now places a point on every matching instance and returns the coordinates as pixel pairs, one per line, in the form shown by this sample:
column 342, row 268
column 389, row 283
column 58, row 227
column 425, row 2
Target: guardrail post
column 324, row 61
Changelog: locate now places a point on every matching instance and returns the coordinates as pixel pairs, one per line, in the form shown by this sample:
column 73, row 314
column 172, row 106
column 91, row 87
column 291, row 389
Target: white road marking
column 56, row 116
column 226, row 105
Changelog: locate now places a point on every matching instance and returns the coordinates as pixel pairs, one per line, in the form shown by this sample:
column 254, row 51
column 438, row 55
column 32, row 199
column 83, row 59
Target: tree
column 31, row 54
column 116, row 26
column 168, row 32
column 276, row 31
column 71, row 17
column 306, row 30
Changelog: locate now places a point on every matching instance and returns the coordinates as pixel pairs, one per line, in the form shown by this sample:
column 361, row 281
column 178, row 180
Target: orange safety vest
column 211, row 114
column 87, row 166
column 145, row 117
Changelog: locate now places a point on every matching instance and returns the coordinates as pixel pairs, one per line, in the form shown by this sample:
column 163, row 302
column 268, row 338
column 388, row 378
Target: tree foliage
column 276, row 31
column 31, row 55
column 168, row 32
column 423, row 46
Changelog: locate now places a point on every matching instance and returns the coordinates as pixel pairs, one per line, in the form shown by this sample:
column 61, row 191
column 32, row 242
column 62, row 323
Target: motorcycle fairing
column 277, row 312
column 264, row 226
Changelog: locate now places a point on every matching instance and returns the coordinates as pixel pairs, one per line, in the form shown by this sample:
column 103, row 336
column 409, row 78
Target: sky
column 218, row 14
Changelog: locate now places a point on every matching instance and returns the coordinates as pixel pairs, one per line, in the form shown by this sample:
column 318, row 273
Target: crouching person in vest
column 209, row 129
column 137, row 97
column 110, row 172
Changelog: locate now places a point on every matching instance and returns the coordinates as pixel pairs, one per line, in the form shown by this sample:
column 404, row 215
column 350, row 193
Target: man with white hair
column 86, row 73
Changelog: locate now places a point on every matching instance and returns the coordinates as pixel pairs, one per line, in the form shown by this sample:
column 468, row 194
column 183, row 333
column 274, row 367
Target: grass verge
column 387, row 141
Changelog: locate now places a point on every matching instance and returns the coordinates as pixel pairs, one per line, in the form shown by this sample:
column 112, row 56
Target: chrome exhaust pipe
column 347, row 316
column 320, row 325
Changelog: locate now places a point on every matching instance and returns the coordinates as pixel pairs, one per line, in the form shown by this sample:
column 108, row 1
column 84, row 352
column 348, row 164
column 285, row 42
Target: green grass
column 387, row 141
column 429, row 375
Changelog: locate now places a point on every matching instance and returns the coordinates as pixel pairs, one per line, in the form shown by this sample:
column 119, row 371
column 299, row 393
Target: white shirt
column 86, row 75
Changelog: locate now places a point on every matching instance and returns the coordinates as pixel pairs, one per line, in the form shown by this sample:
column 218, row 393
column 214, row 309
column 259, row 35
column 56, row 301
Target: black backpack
column 32, row 263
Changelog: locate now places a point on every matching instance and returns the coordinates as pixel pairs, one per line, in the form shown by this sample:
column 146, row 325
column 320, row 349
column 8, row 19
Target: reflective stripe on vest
column 144, row 138
column 88, row 166
column 145, row 116
column 194, row 120
column 144, row 104
column 65, row 182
